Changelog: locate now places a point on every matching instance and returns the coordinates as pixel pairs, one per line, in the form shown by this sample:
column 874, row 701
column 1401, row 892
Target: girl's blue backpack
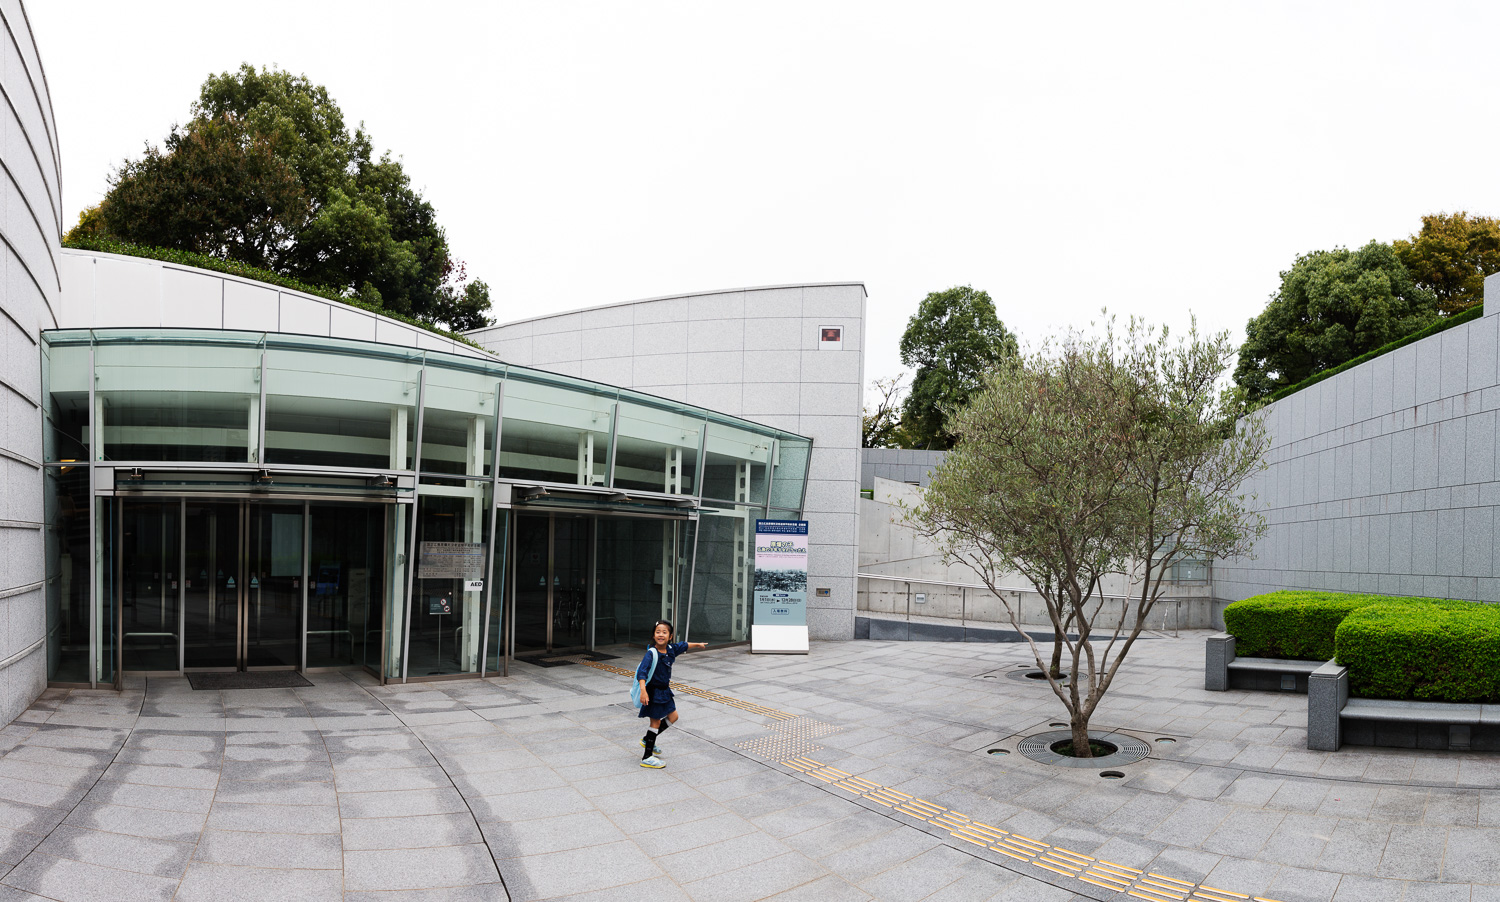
column 635, row 684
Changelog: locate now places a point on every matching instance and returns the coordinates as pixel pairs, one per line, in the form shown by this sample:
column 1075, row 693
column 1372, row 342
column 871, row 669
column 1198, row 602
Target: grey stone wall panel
column 30, row 224
column 1383, row 478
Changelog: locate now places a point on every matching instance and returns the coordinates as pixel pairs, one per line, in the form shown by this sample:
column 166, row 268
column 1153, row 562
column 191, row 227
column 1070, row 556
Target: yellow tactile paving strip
column 705, row 694
column 793, row 738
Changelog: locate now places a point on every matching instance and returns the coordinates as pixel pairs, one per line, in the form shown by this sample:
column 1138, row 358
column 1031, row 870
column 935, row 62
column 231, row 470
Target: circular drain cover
column 1039, row 748
column 1033, row 675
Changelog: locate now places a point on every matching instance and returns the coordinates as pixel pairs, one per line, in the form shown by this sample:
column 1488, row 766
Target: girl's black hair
column 671, row 630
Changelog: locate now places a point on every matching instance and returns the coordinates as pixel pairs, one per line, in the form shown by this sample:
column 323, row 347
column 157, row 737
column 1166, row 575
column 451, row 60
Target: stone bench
column 1333, row 718
column 1223, row 670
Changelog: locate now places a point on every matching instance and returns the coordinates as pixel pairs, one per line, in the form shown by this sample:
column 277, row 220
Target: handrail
column 938, row 582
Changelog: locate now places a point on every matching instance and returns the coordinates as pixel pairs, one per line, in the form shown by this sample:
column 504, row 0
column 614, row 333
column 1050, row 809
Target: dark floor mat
column 261, row 679
column 563, row 659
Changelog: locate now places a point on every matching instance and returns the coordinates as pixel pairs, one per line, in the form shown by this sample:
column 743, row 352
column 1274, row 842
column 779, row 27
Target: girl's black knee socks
column 663, row 728
column 650, row 740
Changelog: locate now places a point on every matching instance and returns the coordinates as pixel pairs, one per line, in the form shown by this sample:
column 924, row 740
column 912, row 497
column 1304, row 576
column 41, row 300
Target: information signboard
column 780, row 622
column 451, row 560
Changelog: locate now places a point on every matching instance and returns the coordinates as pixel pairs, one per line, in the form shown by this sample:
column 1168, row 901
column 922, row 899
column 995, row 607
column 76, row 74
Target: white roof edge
column 457, row 347
column 669, row 297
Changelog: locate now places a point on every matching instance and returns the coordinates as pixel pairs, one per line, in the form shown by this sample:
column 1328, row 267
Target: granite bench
column 1223, row 669
column 1333, row 718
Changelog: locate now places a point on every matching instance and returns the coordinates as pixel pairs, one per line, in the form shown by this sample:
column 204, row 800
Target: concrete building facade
column 766, row 354
column 31, row 226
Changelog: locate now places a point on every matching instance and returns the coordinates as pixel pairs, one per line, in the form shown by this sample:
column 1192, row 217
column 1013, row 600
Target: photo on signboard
column 790, row 580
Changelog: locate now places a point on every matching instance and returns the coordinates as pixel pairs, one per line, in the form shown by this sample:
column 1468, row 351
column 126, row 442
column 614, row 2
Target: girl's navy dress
column 660, row 686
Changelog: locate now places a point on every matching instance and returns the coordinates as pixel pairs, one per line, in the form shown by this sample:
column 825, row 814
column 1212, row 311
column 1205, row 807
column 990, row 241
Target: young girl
column 656, row 696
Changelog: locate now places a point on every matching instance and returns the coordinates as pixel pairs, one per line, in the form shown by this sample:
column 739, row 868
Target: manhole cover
column 1039, row 748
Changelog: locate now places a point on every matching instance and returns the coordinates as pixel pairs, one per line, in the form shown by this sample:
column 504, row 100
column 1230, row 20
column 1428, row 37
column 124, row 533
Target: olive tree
column 1114, row 454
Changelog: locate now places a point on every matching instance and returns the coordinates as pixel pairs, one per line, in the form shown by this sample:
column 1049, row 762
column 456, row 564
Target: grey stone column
column 1327, row 691
column 1218, row 651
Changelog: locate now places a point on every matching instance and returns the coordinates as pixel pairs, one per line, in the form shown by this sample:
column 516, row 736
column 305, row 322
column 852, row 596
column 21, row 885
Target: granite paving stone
column 351, row 790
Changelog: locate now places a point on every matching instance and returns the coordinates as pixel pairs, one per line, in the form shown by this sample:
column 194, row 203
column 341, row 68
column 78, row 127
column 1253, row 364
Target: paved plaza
column 861, row 771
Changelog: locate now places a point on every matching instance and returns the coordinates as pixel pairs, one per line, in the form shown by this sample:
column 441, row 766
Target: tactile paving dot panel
column 804, row 727
column 779, row 748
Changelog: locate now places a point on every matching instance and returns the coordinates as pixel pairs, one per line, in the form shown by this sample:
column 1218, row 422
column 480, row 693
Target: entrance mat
column 551, row 660
column 259, row 679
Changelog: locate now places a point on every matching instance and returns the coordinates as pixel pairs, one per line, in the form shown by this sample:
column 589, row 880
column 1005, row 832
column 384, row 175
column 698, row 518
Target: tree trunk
column 1057, row 650
column 1081, row 737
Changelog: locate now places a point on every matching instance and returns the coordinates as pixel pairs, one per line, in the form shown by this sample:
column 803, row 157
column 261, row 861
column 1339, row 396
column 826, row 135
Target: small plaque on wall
column 823, row 593
column 830, row 338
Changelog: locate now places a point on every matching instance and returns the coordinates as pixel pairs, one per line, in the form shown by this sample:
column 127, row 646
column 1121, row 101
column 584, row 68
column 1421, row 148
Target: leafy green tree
column 1094, row 457
column 267, row 173
column 1332, row 306
column 951, row 341
column 1450, row 257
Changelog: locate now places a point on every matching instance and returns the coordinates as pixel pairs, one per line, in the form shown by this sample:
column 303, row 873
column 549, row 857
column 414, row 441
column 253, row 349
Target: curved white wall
column 106, row 291
column 753, row 353
column 30, row 230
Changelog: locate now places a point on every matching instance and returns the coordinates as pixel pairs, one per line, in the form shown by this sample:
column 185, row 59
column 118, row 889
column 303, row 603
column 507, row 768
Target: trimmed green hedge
column 1441, row 325
column 235, row 268
column 1423, row 649
column 1292, row 623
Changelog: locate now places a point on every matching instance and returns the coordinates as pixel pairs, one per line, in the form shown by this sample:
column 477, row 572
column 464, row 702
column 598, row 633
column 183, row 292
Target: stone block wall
column 31, row 227
column 1385, row 478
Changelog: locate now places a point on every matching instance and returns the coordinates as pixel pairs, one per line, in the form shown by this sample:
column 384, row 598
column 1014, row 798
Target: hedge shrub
column 1291, row 623
column 1423, row 649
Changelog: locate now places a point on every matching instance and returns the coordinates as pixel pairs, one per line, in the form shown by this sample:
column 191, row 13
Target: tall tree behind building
column 1332, row 307
column 951, row 341
column 1450, row 257
column 266, row 172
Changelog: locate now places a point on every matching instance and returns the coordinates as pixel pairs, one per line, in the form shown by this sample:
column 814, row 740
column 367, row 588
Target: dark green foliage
column 1332, row 307
column 1426, row 649
column 268, row 174
column 1446, row 322
column 1423, row 649
column 85, row 242
column 952, row 340
column 1291, row 624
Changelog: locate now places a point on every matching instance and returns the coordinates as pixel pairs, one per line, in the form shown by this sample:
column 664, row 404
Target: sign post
column 780, row 624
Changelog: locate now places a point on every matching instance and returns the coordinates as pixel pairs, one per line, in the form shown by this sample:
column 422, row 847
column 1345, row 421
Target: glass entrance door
column 552, row 604
column 243, row 574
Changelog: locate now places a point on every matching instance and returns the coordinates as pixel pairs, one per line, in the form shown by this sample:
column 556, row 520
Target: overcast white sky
column 1155, row 158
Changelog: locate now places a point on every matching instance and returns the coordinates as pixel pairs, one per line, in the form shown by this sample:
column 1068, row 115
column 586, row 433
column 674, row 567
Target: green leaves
column 1097, row 457
column 952, row 340
column 266, row 173
column 1332, row 306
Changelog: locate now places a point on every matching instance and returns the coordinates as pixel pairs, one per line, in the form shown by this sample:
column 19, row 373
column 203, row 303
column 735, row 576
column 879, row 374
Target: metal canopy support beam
column 489, row 561
column 411, row 545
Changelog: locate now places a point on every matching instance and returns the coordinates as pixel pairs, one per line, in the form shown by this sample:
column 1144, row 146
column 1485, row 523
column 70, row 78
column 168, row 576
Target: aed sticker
column 474, row 585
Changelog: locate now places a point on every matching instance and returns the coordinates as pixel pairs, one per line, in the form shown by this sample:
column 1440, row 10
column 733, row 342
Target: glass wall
column 68, row 549
column 234, row 448
column 145, row 408
column 555, row 432
column 345, row 610
column 444, row 622
column 340, row 410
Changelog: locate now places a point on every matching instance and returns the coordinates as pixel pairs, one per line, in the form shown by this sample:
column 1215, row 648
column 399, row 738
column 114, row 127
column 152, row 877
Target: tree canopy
column 1098, row 456
column 952, row 340
column 1332, row 307
column 1450, row 257
column 266, row 172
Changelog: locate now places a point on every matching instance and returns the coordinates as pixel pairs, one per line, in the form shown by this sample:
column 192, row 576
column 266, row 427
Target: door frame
column 589, row 533
column 239, row 571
